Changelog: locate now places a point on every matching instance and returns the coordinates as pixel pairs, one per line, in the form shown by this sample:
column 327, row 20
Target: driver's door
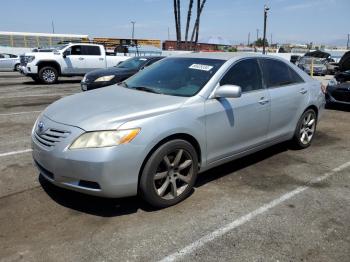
column 74, row 60
column 235, row 125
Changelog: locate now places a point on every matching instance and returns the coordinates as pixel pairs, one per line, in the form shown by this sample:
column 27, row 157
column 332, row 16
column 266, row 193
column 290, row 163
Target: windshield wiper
column 146, row 89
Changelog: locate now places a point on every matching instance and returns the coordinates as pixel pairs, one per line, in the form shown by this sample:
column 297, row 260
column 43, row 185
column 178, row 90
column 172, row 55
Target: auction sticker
column 201, row 67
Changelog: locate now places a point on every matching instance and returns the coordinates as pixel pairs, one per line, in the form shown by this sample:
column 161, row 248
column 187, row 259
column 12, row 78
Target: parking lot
column 276, row 205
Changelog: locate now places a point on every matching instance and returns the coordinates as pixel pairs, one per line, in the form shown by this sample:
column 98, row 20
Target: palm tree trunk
column 176, row 20
column 189, row 13
column 196, row 24
column 179, row 20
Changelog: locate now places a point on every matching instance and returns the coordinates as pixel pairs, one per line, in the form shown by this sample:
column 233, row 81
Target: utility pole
column 53, row 27
column 133, row 31
column 347, row 44
column 257, row 34
column 265, row 18
column 271, row 39
column 248, row 38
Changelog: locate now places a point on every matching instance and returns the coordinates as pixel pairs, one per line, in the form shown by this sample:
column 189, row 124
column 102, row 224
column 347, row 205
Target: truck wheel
column 169, row 174
column 48, row 75
column 305, row 130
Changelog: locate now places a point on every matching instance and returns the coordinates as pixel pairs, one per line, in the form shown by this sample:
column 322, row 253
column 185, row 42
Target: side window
column 91, row 50
column 76, row 50
column 152, row 61
column 6, row 56
column 2, row 56
column 277, row 73
column 245, row 74
column 13, row 56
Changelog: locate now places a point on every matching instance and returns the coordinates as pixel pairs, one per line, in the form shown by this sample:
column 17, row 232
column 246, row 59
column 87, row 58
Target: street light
column 133, row 31
column 265, row 18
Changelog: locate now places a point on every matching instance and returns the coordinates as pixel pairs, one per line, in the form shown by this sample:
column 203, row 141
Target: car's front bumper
column 106, row 172
column 28, row 69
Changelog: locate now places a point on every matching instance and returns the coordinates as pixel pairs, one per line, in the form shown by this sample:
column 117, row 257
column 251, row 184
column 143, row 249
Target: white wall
column 14, row 50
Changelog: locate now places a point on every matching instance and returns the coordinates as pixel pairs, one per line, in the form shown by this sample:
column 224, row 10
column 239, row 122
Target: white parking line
column 15, row 152
column 39, row 95
column 20, row 113
column 246, row 218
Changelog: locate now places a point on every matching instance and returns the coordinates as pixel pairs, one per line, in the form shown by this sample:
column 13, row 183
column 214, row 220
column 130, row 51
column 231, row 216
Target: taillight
column 323, row 88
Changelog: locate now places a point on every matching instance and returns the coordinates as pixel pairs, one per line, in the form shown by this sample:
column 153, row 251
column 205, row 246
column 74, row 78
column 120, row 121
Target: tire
column 16, row 68
column 305, row 130
column 48, row 75
column 161, row 184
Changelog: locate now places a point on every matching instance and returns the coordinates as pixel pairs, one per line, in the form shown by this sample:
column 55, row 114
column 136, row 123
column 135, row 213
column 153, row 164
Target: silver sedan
column 9, row 62
column 152, row 134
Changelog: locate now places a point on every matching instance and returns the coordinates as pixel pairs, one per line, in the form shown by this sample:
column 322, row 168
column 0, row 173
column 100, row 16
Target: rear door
column 234, row 125
column 288, row 93
column 6, row 62
column 94, row 59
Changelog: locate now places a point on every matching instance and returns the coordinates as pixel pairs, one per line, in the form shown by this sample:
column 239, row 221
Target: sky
column 289, row 21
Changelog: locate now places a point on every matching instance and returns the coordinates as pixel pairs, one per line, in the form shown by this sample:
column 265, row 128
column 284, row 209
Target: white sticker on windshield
column 143, row 59
column 201, row 67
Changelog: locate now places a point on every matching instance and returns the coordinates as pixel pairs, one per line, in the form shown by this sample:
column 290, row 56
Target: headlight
column 104, row 78
column 30, row 58
column 104, row 138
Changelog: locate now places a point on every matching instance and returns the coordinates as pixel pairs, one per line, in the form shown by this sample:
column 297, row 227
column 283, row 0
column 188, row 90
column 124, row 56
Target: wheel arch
column 313, row 107
column 54, row 64
column 184, row 136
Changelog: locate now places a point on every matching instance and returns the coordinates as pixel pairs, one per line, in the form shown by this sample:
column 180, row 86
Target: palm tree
column 189, row 13
column 195, row 31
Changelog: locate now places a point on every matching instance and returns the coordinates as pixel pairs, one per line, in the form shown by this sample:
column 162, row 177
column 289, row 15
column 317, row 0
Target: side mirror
column 66, row 53
column 229, row 91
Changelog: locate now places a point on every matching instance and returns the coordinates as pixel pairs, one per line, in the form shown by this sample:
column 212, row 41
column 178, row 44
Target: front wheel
column 17, row 67
column 48, row 75
column 169, row 174
column 305, row 130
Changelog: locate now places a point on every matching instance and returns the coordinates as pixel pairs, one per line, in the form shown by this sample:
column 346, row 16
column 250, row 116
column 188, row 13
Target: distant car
column 342, row 76
column 9, row 62
column 294, row 58
column 105, row 77
column 338, row 93
column 319, row 67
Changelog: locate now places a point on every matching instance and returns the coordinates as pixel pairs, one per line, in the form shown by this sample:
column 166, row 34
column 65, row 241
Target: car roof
column 222, row 55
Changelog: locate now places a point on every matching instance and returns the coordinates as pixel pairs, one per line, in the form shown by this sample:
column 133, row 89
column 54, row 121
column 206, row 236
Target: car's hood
column 109, row 71
column 46, row 55
column 109, row 107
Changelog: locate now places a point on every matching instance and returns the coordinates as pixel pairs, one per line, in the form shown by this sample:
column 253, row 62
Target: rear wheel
column 17, row 67
column 169, row 174
column 48, row 75
column 305, row 130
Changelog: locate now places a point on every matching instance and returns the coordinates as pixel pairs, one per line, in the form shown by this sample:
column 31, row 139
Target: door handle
column 263, row 101
column 81, row 58
column 303, row 91
column 101, row 59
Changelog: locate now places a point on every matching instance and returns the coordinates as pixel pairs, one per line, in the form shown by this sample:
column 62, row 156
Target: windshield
column 175, row 76
column 60, row 47
column 133, row 63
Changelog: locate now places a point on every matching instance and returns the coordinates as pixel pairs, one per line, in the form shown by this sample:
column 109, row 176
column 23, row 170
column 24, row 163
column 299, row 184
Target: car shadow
column 241, row 163
column 68, row 81
column 338, row 107
column 98, row 206
column 106, row 207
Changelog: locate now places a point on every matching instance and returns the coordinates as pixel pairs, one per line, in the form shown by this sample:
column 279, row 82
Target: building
column 112, row 43
column 204, row 47
column 32, row 40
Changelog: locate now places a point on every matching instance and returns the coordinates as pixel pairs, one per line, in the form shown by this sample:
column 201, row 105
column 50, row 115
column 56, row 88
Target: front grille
column 23, row 60
column 51, row 136
column 341, row 95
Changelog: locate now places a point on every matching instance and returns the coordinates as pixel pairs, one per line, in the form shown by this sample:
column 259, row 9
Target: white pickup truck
column 74, row 59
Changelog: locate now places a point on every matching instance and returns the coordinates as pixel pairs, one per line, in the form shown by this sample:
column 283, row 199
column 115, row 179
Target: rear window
column 277, row 73
column 91, row 50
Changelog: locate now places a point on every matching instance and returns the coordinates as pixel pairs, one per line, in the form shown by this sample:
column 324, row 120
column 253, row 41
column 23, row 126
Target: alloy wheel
column 307, row 128
column 49, row 76
column 173, row 175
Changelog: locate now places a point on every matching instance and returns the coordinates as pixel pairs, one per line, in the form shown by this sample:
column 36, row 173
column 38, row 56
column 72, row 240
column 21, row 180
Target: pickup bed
column 66, row 60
